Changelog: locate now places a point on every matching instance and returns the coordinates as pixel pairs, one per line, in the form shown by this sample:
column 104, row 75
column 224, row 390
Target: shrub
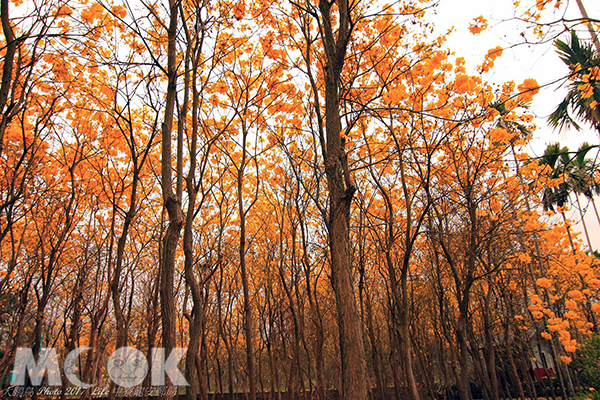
column 587, row 362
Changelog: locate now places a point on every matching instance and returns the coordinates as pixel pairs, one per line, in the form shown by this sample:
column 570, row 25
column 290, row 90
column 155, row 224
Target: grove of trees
column 314, row 198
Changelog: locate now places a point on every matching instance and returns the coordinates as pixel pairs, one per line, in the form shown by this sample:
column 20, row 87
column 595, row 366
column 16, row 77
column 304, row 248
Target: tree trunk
column 171, row 200
column 490, row 352
column 593, row 33
column 585, row 229
column 248, row 320
column 375, row 353
column 568, row 227
column 341, row 191
column 595, row 210
column 464, row 388
column 7, row 68
column 116, row 285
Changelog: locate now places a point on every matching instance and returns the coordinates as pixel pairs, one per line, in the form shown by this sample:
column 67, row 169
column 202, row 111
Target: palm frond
column 560, row 117
column 580, row 160
column 575, row 52
column 551, row 155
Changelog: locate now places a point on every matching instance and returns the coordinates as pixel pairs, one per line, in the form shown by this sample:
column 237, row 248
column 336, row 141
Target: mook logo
column 127, row 367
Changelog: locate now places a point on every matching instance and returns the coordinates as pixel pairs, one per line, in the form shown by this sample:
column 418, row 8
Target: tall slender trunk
column 295, row 369
column 248, row 319
column 226, row 340
column 313, row 306
column 490, row 351
column 405, row 339
column 375, row 352
column 595, row 210
column 593, row 33
column 341, row 191
column 116, row 284
column 73, row 337
column 587, row 306
column 171, row 200
column 585, row 229
column 515, row 374
column 464, row 388
column 193, row 365
column 7, row 68
column 568, row 228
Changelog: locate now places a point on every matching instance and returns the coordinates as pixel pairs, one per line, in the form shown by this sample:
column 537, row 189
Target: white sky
column 517, row 63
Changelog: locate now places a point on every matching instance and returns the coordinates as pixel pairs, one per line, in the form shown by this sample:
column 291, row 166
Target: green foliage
column 558, row 159
column 588, row 363
column 576, row 52
column 587, row 395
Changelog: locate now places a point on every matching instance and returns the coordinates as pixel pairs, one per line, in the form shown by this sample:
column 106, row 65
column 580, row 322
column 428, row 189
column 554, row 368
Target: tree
column 335, row 172
column 557, row 193
column 171, row 198
column 582, row 183
column 584, row 90
column 341, row 186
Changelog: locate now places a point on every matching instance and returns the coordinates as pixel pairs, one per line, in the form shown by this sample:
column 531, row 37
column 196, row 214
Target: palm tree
column 582, row 181
column 579, row 170
column 557, row 158
column 583, row 99
column 580, row 175
column 579, row 179
column 586, row 170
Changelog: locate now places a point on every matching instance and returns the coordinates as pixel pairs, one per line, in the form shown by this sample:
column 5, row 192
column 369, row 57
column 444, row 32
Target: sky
column 538, row 61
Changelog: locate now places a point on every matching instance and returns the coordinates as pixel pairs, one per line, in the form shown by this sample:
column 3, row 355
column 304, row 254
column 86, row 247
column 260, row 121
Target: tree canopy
column 311, row 197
